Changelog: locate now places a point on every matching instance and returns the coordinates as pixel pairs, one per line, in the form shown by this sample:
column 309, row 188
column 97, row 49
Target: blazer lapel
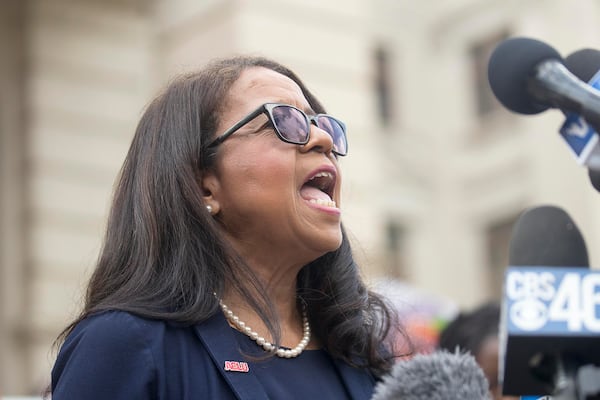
column 360, row 384
column 220, row 342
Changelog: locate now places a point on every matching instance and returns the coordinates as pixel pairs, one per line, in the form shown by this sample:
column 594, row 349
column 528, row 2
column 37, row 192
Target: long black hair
column 163, row 256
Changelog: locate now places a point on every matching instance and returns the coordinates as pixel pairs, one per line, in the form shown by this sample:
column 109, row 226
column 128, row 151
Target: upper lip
column 324, row 179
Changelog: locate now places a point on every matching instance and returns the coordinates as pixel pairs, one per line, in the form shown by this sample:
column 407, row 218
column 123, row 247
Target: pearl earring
column 209, row 208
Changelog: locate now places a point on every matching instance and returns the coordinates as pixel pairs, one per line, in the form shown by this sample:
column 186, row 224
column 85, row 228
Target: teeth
column 322, row 202
column 322, row 174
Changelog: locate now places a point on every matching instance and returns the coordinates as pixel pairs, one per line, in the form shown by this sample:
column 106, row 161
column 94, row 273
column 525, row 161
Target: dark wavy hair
column 163, row 256
column 469, row 329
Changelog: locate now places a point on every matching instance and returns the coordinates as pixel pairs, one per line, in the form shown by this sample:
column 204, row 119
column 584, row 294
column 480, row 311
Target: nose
column 319, row 140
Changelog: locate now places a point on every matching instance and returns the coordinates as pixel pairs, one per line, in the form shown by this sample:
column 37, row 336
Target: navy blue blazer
column 116, row 355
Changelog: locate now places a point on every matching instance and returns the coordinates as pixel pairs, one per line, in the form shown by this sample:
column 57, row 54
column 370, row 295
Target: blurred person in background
column 225, row 270
column 422, row 314
column 476, row 332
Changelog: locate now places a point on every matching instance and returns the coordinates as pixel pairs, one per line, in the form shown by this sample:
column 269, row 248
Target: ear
column 210, row 186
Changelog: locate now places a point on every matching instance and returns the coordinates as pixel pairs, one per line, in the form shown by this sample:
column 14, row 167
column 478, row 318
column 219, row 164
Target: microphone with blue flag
column 585, row 65
column 529, row 76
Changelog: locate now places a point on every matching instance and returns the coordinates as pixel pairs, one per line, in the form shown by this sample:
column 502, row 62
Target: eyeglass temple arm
column 221, row 138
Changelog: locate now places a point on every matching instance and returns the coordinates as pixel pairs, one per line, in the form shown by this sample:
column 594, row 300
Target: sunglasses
column 292, row 125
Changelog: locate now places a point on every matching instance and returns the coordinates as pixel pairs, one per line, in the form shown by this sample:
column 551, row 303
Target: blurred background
column 437, row 172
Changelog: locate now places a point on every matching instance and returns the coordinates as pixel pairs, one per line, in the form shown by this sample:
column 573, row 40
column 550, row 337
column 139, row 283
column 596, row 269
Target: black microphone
column 528, row 76
column 595, row 179
column 584, row 64
column 547, row 236
column 440, row 375
column 549, row 328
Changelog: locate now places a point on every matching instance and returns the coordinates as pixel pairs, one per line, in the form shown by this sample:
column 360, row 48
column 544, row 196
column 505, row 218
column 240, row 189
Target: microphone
column 440, row 375
column 585, row 65
column 547, row 236
column 595, row 179
column 528, row 76
column 549, row 324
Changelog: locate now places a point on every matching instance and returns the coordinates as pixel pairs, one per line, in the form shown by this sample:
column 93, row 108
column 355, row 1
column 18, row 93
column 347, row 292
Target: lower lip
column 328, row 210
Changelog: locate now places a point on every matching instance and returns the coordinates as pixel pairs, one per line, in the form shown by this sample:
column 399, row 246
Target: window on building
column 383, row 85
column 498, row 239
column 395, row 246
column 480, row 53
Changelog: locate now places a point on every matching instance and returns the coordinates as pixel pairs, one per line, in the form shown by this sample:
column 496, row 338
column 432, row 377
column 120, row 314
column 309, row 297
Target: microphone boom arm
column 549, row 84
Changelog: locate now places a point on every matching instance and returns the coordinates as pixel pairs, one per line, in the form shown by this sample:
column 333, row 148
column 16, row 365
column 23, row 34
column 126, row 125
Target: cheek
column 259, row 173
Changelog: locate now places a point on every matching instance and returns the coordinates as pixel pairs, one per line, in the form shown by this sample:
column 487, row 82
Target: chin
column 322, row 241
column 331, row 244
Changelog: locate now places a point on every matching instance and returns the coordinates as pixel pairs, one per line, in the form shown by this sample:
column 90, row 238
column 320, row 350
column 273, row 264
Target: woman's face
column 264, row 192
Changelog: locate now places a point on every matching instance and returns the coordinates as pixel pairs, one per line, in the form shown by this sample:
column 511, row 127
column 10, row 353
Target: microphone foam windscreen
column 437, row 376
column 512, row 63
column 547, row 236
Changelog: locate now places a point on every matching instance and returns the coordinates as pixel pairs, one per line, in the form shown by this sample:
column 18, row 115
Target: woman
column 225, row 271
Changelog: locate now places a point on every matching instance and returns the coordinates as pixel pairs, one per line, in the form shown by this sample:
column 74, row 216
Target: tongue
column 310, row 192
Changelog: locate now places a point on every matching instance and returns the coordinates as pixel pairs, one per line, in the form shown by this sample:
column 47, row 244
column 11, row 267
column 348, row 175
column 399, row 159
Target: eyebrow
column 307, row 111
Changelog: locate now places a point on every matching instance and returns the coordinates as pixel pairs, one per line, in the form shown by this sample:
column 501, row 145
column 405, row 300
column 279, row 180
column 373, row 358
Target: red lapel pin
column 236, row 366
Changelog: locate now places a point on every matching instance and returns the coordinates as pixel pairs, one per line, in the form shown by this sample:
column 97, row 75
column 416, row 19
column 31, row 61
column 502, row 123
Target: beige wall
column 87, row 77
column 455, row 174
column 81, row 71
column 13, row 271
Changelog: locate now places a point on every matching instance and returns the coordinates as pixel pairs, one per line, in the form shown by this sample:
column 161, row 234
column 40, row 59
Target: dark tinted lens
column 336, row 131
column 291, row 124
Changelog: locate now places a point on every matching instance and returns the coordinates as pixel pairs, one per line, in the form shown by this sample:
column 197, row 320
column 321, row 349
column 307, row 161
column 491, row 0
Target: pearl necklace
column 261, row 341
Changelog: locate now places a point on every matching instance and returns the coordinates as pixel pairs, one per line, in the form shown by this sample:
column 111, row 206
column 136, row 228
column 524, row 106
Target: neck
column 286, row 312
column 278, row 281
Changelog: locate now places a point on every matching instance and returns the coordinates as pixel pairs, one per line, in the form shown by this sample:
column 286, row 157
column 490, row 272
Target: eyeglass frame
column 267, row 109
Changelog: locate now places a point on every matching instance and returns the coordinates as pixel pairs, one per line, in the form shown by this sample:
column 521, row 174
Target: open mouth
column 318, row 189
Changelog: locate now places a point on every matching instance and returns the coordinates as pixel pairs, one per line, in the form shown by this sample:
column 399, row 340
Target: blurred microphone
column 549, row 325
column 440, row 375
column 585, row 65
column 528, row 76
column 595, row 179
column 547, row 236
